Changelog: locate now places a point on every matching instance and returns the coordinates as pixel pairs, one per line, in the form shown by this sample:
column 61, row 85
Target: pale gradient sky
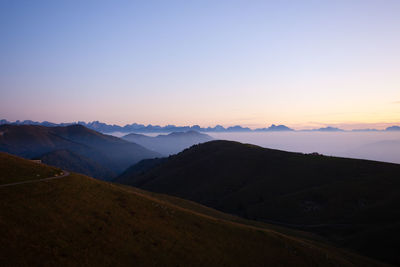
column 299, row 63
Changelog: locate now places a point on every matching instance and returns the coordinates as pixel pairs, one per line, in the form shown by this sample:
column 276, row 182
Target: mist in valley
column 380, row 146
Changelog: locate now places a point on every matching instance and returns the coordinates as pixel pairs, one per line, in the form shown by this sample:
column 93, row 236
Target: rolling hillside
column 77, row 220
column 168, row 144
column 354, row 203
column 112, row 153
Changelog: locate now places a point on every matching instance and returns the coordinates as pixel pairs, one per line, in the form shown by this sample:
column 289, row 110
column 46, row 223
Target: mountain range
column 141, row 128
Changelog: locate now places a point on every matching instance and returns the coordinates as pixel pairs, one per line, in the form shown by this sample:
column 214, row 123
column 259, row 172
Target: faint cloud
column 396, row 102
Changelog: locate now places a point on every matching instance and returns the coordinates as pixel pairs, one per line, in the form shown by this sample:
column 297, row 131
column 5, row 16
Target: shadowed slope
column 355, row 203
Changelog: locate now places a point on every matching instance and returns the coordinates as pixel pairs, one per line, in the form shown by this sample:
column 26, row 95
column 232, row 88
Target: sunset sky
column 253, row 63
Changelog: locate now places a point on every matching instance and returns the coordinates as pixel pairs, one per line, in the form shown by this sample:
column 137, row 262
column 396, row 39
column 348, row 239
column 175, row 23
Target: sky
column 253, row 63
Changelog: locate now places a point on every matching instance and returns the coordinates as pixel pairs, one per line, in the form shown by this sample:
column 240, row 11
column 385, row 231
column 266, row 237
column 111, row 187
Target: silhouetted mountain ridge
column 141, row 128
column 275, row 128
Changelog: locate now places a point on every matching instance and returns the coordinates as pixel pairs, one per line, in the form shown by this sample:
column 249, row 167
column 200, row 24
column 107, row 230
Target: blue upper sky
column 252, row 63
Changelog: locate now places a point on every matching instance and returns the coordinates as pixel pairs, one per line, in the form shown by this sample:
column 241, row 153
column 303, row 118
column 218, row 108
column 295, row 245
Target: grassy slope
column 210, row 212
column 78, row 220
column 12, row 169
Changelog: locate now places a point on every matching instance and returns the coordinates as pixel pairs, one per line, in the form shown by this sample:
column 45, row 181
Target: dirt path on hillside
column 64, row 174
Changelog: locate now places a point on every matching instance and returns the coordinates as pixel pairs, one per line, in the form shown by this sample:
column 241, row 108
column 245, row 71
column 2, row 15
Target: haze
column 380, row 146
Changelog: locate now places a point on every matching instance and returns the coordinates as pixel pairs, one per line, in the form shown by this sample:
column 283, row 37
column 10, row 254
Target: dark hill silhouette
column 354, row 203
column 169, row 144
column 78, row 220
column 112, row 153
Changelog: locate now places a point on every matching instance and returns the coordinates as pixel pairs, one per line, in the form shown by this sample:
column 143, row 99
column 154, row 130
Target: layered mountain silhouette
column 354, row 203
column 168, row 144
column 74, row 147
column 141, row 128
column 77, row 220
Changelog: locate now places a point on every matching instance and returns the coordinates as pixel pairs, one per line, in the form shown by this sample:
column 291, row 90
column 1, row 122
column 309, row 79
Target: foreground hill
column 77, row 220
column 168, row 144
column 354, row 203
column 74, row 147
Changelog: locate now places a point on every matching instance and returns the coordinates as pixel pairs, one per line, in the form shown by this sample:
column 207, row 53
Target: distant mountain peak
column 276, row 128
column 393, row 128
column 280, row 127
